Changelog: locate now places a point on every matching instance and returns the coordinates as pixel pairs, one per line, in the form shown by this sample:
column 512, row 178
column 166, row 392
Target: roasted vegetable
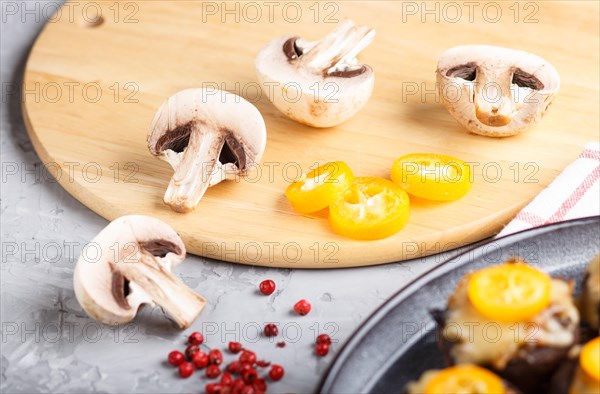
column 512, row 318
column 464, row 379
column 580, row 372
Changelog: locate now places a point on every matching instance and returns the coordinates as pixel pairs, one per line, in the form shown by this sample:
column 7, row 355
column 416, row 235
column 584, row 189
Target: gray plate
column 397, row 343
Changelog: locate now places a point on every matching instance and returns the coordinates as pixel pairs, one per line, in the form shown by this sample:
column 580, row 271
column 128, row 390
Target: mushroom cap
column 223, row 111
column 526, row 82
column 100, row 288
column 306, row 95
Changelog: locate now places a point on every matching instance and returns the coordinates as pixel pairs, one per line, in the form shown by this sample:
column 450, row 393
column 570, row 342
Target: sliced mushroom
column 318, row 83
column 129, row 264
column 207, row 136
column 496, row 91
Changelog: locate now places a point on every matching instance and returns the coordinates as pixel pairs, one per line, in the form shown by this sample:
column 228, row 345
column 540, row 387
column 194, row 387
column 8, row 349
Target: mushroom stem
column 494, row 104
column 166, row 290
column 192, row 176
column 339, row 48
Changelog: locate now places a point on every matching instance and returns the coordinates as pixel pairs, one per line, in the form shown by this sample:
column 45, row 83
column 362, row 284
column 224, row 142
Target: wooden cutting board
column 92, row 87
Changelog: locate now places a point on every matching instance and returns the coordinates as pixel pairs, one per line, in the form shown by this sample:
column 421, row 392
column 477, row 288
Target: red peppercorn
column 267, row 287
column 233, row 367
column 248, row 357
column 237, row 385
column 248, row 390
column 186, row 369
column 260, row 385
column 215, row 357
column 324, row 338
column 226, row 379
column 213, row 371
column 250, row 376
column 281, row 344
column 271, row 330
column 243, row 368
column 200, row 359
column 235, row 347
column 191, row 350
column 196, row 338
column 276, row 372
column 302, row 307
column 322, row 349
column 213, row 388
column 175, row 358
column 262, row 363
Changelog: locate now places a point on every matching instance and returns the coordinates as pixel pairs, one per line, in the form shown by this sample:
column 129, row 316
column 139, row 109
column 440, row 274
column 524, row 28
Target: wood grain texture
column 111, row 78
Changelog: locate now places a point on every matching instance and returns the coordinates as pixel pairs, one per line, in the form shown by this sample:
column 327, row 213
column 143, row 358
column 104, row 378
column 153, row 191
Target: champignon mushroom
column 318, row 83
column 496, row 91
column 129, row 264
column 207, row 136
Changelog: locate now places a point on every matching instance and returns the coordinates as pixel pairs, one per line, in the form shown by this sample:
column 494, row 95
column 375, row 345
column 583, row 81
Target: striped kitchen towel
column 575, row 193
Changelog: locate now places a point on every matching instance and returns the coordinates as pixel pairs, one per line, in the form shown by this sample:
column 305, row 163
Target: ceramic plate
column 397, row 343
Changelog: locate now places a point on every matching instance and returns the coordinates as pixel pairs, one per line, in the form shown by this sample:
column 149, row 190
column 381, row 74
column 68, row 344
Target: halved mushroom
column 129, row 264
column 495, row 91
column 318, row 83
column 207, row 136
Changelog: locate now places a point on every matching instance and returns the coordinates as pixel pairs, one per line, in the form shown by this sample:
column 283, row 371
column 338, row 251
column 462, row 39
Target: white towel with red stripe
column 575, row 193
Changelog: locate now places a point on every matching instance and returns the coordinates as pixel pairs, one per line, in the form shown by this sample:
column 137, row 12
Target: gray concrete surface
column 50, row 345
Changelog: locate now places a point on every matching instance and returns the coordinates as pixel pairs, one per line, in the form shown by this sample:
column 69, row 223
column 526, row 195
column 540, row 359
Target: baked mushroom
column 495, row 91
column 318, row 83
column 207, row 136
column 129, row 264
column 580, row 372
column 590, row 296
column 513, row 319
column 466, row 379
